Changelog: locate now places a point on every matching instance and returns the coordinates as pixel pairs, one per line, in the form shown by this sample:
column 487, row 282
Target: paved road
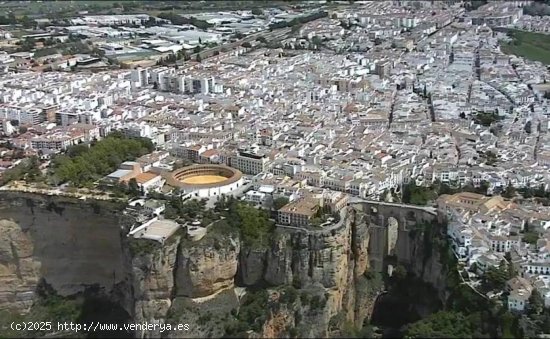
column 356, row 200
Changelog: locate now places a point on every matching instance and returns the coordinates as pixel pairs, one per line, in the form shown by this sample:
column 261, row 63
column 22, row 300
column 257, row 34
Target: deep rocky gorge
column 315, row 281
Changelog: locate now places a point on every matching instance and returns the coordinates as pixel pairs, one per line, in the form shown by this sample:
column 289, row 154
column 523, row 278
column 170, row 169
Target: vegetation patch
column 441, row 325
column 254, row 225
column 418, row 195
column 82, row 165
column 177, row 19
column 422, row 195
column 532, row 46
column 51, row 307
column 251, row 314
column 486, row 118
column 27, row 169
column 142, row 246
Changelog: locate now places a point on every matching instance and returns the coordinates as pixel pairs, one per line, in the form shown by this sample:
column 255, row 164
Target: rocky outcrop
column 426, row 252
column 69, row 243
column 19, row 271
column 207, row 267
column 318, row 263
column 252, row 263
column 73, row 244
column 153, row 282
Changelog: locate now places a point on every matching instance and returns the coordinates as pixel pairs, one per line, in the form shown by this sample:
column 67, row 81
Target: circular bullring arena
column 205, row 181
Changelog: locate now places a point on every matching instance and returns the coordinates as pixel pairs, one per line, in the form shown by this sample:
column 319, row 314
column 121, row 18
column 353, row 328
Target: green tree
column 316, row 41
column 257, row 11
column 486, row 119
column 527, row 127
column 508, row 320
column 99, row 160
column 27, row 169
column 418, row 195
column 76, row 150
column 253, row 224
column 531, row 237
column 133, row 187
column 536, row 302
column 33, row 169
column 280, row 202
column 177, row 19
column 509, row 192
column 495, row 278
column 27, row 22
column 441, row 325
column 491, row 157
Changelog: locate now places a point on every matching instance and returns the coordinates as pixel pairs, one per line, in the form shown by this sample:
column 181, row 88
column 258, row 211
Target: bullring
column 205, row 180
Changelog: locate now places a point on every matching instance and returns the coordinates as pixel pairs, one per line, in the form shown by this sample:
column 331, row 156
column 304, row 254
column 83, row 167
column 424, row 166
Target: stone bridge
column 390, row 227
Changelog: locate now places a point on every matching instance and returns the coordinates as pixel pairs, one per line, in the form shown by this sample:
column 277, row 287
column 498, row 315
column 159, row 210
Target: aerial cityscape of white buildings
column 361, row 102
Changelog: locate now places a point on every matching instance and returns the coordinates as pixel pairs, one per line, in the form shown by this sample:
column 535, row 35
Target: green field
column 60, row 9
column 532, row 46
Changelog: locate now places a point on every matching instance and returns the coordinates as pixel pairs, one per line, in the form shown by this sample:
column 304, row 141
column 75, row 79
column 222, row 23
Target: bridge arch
column 390, row 227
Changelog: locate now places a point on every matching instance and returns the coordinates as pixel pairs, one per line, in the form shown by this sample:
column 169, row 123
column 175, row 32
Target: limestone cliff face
column 153, row 283
column 328, row 264
column 19, row 271
column 68, row 242
column 322, row 260
column 277, row 324
column 425, row 259
column 205, row 269
column 170, row 281
column 332, row 261
column 73, row 244
column 252, row 263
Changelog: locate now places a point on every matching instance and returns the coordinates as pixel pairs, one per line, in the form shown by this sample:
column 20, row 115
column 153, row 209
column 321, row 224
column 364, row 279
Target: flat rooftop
column 119, row 173
column 145, row 177
column 158, row 230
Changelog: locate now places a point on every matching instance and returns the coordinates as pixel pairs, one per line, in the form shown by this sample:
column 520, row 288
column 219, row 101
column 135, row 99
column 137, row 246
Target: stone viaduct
column 390, row 227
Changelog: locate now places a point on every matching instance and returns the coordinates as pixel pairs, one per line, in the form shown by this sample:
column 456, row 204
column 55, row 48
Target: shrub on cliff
column 418, row 195
column 48, row 306
column 253, row 223
column 142, row 246
column 441, row 325
column 251, row 314
column 289, row 295
column 317, row 302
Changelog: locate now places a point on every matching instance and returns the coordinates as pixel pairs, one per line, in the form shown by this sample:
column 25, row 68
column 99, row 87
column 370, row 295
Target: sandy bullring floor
column 203, row 179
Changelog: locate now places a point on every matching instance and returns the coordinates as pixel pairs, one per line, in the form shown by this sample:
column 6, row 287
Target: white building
column 250, row 163
column 140, row 77
column 518, row 300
